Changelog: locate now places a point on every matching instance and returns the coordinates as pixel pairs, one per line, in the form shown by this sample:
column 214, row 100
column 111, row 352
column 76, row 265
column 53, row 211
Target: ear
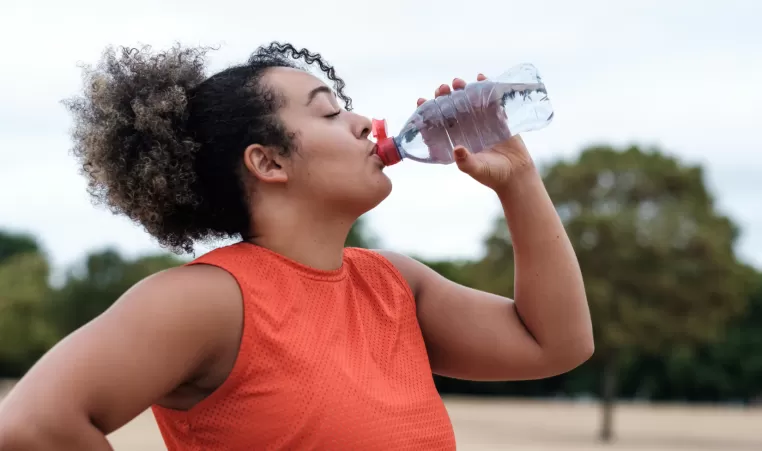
column 265, row 164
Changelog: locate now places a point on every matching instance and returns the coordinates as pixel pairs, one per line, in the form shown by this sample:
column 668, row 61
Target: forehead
column 294, row 84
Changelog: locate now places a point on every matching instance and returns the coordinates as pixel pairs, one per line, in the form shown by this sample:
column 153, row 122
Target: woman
column 285, row 340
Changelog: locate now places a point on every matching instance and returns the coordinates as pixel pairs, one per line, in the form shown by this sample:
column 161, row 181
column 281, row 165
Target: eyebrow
column 320, row 89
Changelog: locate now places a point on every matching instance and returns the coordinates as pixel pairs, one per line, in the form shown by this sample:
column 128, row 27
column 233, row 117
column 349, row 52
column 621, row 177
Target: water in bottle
column 477, row 117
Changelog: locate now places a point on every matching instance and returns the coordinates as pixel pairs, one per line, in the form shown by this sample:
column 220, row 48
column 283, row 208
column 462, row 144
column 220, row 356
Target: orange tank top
column 328, row 360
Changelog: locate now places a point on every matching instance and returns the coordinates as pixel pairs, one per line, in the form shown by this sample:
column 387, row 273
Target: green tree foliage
column 24, row 333
column 15, row 243
column 658, row 260
column 728, row 369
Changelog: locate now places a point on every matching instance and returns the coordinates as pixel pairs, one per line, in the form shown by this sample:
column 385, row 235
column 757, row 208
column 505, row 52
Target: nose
column 362, row 126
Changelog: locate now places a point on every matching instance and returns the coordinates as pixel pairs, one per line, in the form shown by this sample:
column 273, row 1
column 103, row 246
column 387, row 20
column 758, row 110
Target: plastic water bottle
column 477, row 117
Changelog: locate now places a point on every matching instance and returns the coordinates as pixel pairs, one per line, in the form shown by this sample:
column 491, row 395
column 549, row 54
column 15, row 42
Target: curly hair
column 163, row 144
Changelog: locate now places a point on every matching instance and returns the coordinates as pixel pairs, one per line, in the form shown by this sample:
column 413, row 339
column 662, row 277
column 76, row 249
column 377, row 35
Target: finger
column 469, row 163
column 442, row 90
column 458, row 83
column 421, row 101
column 481, row 77
column 463, row 159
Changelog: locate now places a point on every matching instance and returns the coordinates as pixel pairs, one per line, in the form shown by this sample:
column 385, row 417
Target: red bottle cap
column 387, row 149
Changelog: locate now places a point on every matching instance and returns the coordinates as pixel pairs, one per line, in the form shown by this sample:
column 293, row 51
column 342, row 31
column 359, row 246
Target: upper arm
column 160, row 333
column 471, row 334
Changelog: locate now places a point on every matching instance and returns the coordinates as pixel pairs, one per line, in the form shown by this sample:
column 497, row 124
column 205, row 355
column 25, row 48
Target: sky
column 682, row 75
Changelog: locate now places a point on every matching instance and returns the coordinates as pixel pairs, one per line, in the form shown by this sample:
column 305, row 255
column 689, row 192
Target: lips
column 374, row 150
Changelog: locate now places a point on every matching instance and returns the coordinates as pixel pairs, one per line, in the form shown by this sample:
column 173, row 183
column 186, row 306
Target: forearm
column 549, row 291
column 67, row 434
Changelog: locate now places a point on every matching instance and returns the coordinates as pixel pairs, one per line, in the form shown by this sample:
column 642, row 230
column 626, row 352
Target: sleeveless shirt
column 328, row 360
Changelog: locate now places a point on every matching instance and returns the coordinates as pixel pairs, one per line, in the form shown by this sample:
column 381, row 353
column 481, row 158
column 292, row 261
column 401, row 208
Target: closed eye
column 333, row 115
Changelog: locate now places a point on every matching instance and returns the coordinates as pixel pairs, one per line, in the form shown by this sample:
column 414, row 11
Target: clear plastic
column 477, row 117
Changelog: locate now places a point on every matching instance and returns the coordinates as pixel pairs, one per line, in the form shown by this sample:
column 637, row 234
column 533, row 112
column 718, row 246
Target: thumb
column 464, row 160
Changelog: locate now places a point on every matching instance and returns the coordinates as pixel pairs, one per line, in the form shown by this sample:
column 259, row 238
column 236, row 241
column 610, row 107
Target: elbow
column 570, row 357
column 580, row 352
column 25, row 430
column 586, row 351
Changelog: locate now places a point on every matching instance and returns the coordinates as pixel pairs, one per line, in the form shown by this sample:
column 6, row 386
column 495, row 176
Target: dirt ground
column 487, row 425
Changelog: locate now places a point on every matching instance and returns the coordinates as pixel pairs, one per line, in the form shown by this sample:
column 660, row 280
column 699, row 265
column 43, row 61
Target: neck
column 303, row 236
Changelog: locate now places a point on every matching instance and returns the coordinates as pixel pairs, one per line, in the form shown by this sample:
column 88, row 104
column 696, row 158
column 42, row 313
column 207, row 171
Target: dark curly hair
column 163, row 144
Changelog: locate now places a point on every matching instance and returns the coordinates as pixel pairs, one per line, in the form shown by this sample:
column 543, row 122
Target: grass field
column 485, row 424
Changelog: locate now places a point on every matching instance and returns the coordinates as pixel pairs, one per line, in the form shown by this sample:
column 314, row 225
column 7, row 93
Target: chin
column 384, row 188
column 377, row 194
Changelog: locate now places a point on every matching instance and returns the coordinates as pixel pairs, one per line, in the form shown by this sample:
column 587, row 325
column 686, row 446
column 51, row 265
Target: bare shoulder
column 186, row 288
column 164, row 331
column 201, row 297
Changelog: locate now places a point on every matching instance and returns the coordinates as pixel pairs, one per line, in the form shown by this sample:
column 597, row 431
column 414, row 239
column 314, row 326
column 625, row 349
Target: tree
column 93, row 287
column 15, row 243
column 729, row 369
column 657, row 258
column 24, row 333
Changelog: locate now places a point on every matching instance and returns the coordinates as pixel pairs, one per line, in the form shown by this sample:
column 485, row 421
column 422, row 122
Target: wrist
column 521, row 178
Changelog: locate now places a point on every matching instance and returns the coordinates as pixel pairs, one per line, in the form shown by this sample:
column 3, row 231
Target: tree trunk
column 608, row 398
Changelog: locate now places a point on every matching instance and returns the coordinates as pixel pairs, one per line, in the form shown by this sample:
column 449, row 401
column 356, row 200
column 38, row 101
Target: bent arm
column 549, row 290
column 162, row 332
column 546, row 331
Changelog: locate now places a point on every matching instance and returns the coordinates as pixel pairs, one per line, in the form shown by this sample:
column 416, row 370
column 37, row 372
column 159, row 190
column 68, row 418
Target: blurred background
column 653, row 160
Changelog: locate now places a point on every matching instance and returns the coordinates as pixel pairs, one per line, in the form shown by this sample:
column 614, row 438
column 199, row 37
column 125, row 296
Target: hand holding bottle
column 494, row 166
column 462, row 122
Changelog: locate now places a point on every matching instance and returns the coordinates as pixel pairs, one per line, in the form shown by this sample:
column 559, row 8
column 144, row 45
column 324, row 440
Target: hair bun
column 131, row 121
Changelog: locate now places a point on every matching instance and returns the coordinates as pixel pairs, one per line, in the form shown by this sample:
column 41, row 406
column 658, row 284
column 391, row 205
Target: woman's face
column 333, row 165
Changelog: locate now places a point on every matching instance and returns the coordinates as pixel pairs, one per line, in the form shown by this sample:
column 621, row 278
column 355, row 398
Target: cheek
column 338, row 176
column 321, row 172
column 332, row 164
column 324, row 147
column 332, row 160
column 345, row 178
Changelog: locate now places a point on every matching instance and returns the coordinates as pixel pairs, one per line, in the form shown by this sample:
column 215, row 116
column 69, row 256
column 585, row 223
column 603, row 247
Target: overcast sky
column 684, row 75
